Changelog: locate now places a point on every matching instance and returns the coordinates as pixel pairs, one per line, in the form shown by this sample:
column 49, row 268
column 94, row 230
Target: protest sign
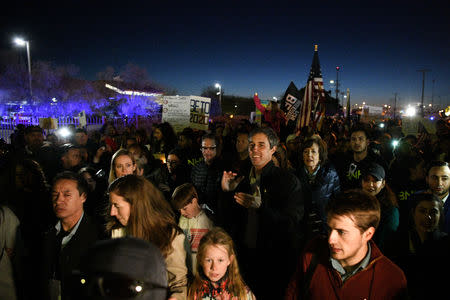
column 199, row 112
column 176, row 111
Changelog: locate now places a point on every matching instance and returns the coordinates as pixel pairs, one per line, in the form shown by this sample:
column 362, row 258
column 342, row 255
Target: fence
column 93, row 123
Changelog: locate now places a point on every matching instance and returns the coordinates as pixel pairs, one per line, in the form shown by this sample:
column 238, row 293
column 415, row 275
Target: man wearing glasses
column 206, row 175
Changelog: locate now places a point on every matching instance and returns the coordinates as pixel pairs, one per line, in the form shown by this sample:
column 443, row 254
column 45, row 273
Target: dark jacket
column 350, row 171
column 424, row 267
column 86, row 235
column 280, row 213
column 381, row 279
column 316, row 194
column 206, row 179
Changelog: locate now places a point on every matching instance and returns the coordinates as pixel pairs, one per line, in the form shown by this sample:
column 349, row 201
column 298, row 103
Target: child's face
column 191, row 210
column 216, row 262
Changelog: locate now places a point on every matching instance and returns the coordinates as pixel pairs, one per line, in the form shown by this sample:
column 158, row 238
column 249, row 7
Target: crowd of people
column 238, row 211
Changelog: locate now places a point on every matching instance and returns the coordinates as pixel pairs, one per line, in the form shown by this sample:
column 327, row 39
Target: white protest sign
column 199, row 112
column 176, row 111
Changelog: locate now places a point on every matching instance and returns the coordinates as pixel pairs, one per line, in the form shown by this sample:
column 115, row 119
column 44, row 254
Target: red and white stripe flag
column 313, row 105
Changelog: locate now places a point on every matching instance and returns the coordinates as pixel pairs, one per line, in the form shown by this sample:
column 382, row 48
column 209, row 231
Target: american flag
column 313, row 105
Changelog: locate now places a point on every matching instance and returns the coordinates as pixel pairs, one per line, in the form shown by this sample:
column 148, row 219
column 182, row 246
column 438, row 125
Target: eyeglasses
column 208, row 148
column 116, row 287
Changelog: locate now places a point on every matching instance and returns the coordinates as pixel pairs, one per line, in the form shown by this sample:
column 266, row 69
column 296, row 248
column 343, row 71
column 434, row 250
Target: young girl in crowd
column 217, row 275
column 193, row 220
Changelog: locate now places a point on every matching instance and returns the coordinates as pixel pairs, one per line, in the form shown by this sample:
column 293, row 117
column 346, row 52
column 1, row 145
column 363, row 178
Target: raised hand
column 230, row 181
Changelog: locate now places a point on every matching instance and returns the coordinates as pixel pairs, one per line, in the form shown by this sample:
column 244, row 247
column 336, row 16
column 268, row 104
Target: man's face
column 242, row 143
column 438, row 180
column 259, row 150
column 209, row 150
column 67, row 201
column 81, row 138
column 347, row 244
column 34, row 139
column 71, row 158
column 359, row 142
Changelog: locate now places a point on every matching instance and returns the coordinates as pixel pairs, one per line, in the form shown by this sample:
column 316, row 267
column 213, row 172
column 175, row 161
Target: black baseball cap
column 123, row 268
column 375, row 170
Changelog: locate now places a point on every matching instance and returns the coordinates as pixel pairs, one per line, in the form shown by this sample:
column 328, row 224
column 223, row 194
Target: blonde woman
column 122, row 163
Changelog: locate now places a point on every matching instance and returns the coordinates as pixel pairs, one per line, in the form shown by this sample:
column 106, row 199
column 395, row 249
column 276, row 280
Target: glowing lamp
column 410, row 112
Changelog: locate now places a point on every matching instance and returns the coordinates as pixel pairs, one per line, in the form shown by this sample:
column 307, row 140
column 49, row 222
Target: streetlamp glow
column 331, row 81
column 410, row 111
column 218, row 86
column 21, row 42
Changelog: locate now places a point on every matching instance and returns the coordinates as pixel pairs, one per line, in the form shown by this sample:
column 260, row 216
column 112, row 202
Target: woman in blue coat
column 319, row 181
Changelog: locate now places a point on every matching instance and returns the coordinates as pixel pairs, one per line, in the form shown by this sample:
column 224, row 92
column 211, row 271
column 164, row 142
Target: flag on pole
column 290, row 104
column 313, row 104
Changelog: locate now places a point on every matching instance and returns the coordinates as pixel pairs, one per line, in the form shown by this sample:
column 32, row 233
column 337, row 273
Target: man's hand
column 247, row 200
column 229, row 181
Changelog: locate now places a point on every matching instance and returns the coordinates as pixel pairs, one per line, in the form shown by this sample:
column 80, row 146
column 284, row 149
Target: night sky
column 250, row 49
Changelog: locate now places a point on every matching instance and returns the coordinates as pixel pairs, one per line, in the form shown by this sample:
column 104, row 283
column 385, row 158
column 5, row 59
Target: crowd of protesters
column 353, row 210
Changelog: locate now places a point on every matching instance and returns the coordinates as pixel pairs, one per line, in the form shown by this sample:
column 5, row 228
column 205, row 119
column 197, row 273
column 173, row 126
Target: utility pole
column 432, row 94
column 395, row 103
column 423, row 89
column 337, row 85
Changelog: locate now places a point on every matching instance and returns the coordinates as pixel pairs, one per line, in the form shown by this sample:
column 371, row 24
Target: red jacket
column 276, row 122
column 381, row 279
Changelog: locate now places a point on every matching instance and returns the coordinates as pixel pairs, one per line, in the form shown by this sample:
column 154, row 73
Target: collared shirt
column 68, row 237
column 362, row 265
column 445, row 198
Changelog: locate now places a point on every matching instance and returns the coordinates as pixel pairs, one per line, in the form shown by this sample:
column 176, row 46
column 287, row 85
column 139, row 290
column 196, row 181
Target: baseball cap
column 375, row 170
column 128, row 268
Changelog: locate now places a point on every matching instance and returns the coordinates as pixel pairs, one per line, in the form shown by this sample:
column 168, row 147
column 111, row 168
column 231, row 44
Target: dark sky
column 249, row 48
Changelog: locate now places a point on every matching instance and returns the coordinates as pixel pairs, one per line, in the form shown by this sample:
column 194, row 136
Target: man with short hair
column 438, row 181
column 348, row 265
column 70, row 158
column 70, row 238
column 267, row 214
column 349, row 167
column 206, row 174
column 83, row 141
column 37, row 150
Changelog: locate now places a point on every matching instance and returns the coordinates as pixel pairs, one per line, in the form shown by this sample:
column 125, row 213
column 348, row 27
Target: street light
column 21, row 42
column 218, row 86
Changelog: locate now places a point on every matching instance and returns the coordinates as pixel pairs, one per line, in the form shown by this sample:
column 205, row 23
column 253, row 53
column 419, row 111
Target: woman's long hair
column 151, row 217
column 218, row 236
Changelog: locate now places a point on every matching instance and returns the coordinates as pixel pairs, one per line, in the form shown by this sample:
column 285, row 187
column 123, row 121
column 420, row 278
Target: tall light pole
column 337, row 83
column 423, row 90
column 22, row 42
column 220, row 95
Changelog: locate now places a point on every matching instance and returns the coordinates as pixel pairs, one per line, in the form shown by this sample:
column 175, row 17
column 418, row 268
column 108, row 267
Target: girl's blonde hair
column 120, row 152
column 151, row 217
column 218, row 236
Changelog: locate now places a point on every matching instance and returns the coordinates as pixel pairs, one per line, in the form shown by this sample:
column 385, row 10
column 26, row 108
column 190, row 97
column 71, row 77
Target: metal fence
column 8, row 126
